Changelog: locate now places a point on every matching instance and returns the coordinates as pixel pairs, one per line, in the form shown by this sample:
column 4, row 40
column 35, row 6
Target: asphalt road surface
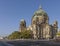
column 4, row 44
column 33, row 43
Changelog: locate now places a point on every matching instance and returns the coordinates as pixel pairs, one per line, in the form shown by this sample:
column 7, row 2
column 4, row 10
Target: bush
column 26, row 34
column 14, row 35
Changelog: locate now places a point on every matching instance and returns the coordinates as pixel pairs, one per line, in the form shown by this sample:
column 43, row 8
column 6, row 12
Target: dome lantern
column 40, row 7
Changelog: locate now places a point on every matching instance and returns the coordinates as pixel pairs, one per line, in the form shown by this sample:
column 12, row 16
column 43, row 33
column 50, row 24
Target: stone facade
column 40, row 25
column 22, row 25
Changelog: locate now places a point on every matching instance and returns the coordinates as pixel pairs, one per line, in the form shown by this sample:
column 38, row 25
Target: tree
column 26, row 34
column 57, row 38
column 14, row 35
column 58, row 34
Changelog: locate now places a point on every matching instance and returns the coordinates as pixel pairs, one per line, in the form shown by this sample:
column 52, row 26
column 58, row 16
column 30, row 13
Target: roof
column 40, row 12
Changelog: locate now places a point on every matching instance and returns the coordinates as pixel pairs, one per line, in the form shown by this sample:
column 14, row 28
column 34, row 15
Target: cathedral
column 40, row 27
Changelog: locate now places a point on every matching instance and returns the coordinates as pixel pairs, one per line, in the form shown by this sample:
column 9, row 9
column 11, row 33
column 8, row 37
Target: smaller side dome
column 22, row 20
column 55, row 23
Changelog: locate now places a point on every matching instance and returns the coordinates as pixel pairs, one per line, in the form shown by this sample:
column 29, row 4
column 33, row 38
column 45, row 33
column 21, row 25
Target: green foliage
column 58, row 33
column 14, row 35
column 18, row 35
column 26, row 34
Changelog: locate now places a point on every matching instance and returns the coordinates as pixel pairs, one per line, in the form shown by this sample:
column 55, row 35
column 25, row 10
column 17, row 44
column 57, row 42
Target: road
column 33, row 43
column 2, row 43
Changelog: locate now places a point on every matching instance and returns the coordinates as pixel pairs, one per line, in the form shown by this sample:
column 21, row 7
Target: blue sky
column 12, row 11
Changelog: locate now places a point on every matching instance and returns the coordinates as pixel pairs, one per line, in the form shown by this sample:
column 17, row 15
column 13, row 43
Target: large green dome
column 40, row 12
column 41, row 15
